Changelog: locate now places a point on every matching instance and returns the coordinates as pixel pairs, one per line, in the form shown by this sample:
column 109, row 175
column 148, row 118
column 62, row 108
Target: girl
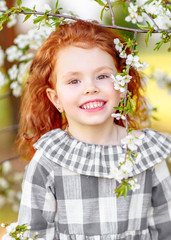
column 67, row 105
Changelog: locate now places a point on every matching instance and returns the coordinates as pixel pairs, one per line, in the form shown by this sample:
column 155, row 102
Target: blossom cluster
column 163, row 80
column 156, row 9
column 126, row 162
column 22, row 54
column 9, row 190
column 121, row 79
column 16, row 231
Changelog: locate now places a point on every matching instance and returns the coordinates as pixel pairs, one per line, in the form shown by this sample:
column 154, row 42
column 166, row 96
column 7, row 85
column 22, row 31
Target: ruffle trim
column 99, row 160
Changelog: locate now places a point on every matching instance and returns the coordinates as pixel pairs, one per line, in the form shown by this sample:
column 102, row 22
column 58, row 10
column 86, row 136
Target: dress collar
column 98, row 160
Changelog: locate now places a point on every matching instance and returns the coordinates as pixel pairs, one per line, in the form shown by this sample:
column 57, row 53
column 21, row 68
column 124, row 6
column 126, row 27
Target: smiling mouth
column 93, row 105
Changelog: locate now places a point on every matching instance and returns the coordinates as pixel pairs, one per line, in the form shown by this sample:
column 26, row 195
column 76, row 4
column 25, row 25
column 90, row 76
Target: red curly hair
column 37, row 114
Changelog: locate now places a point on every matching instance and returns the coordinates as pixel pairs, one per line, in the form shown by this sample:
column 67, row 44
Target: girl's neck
column 96, row 134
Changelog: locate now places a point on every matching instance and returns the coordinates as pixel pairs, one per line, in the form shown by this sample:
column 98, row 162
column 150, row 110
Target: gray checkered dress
column 68, row 191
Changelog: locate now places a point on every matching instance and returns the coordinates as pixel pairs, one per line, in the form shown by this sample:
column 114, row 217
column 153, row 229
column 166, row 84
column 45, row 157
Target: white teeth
column 92, row 105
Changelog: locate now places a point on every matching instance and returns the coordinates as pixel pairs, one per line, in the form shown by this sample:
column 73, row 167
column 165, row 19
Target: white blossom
column 120, row 81
column 18, row 176
column 118, row 174
column 22, row 40
column 3, row 183
column 26, row 57
column 3, row 5
column 13, row 53
column 133, row 184
column 132, row 60
column 16, row 89
column 133, row 16
column 118, row 44
column 11, row 194
column 12, row 21
column 2, row 56
column 13, row 72
column 23, row 70
column 15, row 207
column 6, row 167
column 132, row 141
column 127, row 166
column 122, row 54
column 12, row 227
column 118, row 116
column 3, row 79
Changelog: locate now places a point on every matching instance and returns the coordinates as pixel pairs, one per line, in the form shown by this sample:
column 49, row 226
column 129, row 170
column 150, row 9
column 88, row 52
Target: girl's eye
column 75, row 81
column 102, row 76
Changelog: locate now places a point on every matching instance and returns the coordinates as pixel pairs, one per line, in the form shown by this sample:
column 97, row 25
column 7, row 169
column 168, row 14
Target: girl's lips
column 93, row 106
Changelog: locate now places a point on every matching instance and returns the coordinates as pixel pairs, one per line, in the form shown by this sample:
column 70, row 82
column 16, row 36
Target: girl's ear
column 52, row 95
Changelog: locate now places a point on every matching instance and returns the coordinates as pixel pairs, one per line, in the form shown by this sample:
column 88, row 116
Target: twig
column 112, row 13
column 15, row 126
column 153, row 21
column 102, row 25
column 5, row 96
column 10, row 159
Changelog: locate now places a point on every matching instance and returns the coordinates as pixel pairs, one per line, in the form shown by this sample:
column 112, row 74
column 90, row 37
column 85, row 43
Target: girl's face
column 84, row 89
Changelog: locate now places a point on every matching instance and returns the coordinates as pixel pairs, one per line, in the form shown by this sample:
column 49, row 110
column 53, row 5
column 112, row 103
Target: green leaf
column 142, row 26
column 27, row 9
column 56, row 6
column 101, row 14
column 19, row 2
column 27, row 17
column 147, row 38
column 101, row 3
column 38, row 19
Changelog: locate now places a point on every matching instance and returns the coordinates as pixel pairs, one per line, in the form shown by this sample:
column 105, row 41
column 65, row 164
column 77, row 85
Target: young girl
column 67, row 105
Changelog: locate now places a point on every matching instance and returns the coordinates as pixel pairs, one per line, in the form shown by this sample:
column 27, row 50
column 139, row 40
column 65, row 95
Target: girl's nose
column 91, row 88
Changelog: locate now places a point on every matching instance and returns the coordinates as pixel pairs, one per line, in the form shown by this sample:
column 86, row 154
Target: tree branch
column 112, row 13
column 102, row 25
column 12, row 127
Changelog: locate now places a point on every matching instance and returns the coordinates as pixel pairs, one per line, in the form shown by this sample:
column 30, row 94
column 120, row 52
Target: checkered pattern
column 68, row 195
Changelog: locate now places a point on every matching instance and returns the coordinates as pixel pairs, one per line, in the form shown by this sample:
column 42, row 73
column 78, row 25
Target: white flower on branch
column 134, row 15
column 13, row 72
column 122, row 54
column 3, row 183
column 13, row 53
column 133, row 184
column 23, row 70
column 134, row 62
column 2, row 56
column 118, row 116
column 118, row 44
column 12, row 227
column 16, row 89
column 132, row 141
column 6, row 167
column 12, row 21
column 3, row 79
column 22, row 40
column 118, row 174
column 120, row 81
column 3, row 5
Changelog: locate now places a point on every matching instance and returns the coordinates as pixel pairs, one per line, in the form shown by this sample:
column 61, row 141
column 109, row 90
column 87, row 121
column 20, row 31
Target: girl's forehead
column 73, row 56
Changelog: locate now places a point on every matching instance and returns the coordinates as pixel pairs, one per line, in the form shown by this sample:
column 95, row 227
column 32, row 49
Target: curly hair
column 37, row 114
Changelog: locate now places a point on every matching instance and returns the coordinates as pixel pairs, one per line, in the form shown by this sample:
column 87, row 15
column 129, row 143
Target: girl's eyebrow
column 96, row 70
